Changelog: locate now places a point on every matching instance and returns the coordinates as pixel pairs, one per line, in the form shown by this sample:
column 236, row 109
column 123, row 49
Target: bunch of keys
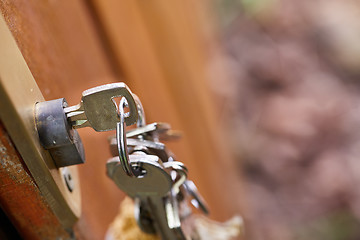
column 147, row 171
column 142, row 165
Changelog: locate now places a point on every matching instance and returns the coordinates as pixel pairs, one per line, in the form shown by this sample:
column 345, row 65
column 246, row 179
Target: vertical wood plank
column 21, row 199
column 65, row 54
column 164, row 48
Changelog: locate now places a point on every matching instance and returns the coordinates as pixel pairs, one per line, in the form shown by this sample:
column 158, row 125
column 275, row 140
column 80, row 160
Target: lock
column 56, row 134
column 56, row 121
column 19, row 94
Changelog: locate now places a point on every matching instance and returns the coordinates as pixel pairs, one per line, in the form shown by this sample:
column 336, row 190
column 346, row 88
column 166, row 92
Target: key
column 142, row 129
column 143, row 217
column 153, row 148
column 171, row 201
column 155, row 131
column 148, row 129
column 98, row 110
column 181, row 171
column 196, row 199
column 140, row 143
column 150, row 189
column 141, row 114
column 146, row 143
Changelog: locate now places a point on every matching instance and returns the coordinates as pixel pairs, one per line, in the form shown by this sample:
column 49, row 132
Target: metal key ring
column 121, row 140
column 141, row 122
column 180, row 169
column 200, row 202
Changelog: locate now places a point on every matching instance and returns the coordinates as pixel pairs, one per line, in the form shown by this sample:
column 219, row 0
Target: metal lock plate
column 18, row 95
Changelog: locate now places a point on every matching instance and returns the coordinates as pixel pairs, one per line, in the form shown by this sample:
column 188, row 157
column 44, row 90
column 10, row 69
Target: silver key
column 171, row 201
column 148, row 129
column 98, row 110
column 141, row 114
column 150, row 189
column 153, row 148
column 155, row 131
column 196, row 199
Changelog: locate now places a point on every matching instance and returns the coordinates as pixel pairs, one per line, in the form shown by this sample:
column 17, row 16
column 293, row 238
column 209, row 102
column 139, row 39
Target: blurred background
column 266, row 93
column 291, row 107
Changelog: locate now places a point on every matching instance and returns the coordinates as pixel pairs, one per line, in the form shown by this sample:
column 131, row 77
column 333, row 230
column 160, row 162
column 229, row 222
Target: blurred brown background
column 265, row 92
column 292, row 114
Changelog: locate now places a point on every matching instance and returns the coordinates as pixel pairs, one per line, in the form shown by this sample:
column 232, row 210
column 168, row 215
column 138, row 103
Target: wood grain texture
column 21, row 199
column 61, row 46
column 164, row 49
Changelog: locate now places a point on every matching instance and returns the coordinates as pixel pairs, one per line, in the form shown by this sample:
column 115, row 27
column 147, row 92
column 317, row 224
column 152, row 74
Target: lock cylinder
column 56, row 134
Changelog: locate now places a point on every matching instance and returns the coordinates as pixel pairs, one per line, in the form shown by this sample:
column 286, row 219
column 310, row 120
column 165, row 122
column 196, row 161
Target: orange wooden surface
column 60, row 44
column 162, row 49
column 21, row 199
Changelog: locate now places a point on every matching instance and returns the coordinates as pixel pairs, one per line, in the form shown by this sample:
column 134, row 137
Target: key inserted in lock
column 57, row 135
column 56, row 122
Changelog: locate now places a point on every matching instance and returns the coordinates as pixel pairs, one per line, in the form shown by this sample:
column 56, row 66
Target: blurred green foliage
column 229, row 10
column 337, row 226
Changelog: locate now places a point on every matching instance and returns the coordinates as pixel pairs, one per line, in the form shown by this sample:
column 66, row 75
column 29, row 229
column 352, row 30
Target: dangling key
column 157, row 131
column 196, row 199
column 150, row 189
column 153, row 148
column 171, row 201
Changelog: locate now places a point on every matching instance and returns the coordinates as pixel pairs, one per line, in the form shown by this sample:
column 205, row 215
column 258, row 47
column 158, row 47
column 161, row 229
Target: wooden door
column 161, row 50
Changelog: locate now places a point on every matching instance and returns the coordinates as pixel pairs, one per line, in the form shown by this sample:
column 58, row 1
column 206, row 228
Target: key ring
column 121, row 140
column 181, row 170
column 121, row 132
column 141, row 122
